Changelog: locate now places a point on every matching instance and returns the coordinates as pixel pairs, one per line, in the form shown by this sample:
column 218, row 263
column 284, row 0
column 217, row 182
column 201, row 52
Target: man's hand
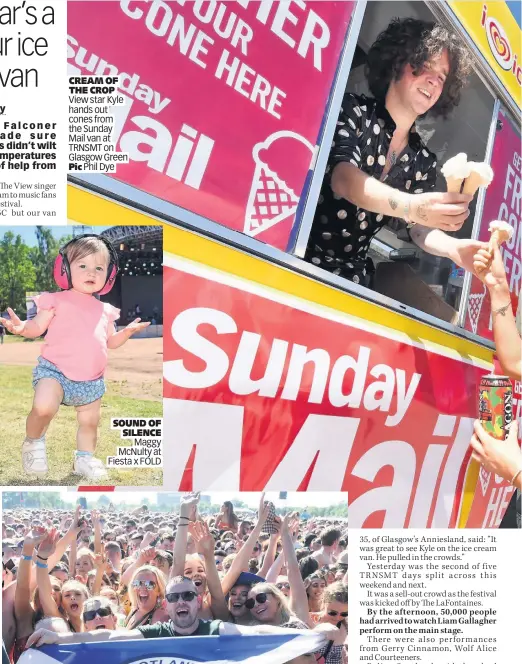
column 446, row 211
column 465, row 252
column 13, row 324
column 502, row 457
column 489, row 266
column 135, row 326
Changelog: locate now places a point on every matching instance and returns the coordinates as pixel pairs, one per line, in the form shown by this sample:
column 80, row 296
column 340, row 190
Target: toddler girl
column 80, row 329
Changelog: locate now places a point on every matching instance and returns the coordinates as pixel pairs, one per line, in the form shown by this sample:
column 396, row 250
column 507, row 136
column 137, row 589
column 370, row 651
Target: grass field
column 16, row 394
column 15, row 339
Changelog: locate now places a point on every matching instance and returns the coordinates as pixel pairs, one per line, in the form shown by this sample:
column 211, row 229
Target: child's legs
column 48, row 395
column 88, row 421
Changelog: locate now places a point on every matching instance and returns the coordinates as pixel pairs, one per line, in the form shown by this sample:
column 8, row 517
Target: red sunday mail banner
column 224, row 100
column 503, row 201
column 265, row 391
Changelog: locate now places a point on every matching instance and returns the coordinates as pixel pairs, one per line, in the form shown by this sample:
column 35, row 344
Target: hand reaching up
column 202, row 537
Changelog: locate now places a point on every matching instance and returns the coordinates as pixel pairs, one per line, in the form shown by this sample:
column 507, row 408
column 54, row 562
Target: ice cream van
column 279, row 375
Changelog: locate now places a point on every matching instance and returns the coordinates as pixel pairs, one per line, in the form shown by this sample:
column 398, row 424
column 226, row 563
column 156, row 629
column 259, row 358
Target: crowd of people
column 154, row 316
column 83, row 577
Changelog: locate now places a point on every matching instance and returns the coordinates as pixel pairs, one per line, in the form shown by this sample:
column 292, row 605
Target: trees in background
column 24, row 269
column 17, row 272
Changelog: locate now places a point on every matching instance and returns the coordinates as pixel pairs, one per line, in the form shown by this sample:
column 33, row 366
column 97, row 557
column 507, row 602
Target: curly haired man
column 378, row 166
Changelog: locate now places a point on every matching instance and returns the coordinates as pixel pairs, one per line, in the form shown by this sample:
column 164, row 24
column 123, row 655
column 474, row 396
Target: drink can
column 496, row 405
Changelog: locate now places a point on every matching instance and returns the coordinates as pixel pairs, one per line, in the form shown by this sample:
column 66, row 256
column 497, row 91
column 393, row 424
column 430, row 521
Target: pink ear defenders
column 62, row 269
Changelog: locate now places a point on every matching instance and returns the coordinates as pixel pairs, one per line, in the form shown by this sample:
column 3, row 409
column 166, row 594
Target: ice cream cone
column 501, row 232
column 480, row 175
column 454, row 185
column 455, row 170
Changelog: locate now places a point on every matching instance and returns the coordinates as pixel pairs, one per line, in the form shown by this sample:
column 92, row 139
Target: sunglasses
column 260, row 598
column 103, row 612
column 343, row 614
column 283, row 585
column 186, row 596
column 149, row 585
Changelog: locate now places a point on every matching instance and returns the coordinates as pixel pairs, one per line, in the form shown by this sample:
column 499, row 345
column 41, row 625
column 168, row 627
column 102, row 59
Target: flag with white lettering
column 256, row 649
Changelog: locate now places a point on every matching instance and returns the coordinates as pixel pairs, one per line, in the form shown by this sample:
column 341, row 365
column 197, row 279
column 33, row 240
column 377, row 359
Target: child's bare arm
column 117, row 339
column 28, row 328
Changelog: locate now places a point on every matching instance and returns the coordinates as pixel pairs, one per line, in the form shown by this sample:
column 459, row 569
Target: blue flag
column 262, row 649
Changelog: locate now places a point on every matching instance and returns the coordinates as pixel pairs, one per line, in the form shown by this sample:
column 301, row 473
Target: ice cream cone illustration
column 480, row 175
column 475, row 307
column 272, row 195
column 455, row 170
column 484, row 477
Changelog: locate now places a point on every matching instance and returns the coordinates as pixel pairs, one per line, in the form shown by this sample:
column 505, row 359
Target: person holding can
column 502, row 457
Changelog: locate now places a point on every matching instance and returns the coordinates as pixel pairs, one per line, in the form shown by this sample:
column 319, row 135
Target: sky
column 29, row 237
column 516, row 10
column 295, row 499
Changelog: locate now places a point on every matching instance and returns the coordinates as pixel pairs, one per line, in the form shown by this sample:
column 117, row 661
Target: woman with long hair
column 315, row 585
column 227, row 519
column 267, row 604
column 147, row 593
column 74, row 595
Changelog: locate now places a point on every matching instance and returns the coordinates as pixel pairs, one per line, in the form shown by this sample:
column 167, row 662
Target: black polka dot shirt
column 341, row 231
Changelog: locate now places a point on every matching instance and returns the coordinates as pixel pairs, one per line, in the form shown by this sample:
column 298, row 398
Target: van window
column 402, row 270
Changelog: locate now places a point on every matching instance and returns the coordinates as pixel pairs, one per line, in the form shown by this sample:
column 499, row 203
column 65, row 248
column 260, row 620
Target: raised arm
column 68, row 540
column 30, row 329
column 45, row 549
column 240, row 562
column 100, row 563
column 275, row 569
column 298, row 597
column 97, row 531
column 25, row 582
column 145, row 557
column 187, row 513
column 270, row 553
column 205, row 545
